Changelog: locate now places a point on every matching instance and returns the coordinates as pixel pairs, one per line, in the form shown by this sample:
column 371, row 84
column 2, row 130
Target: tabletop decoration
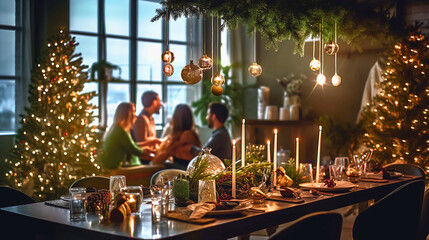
column 181, row 190
column 120, row 210
column 330, row 183
column 275, row 156
column 234, row 186
column 318, row 154
column 97, row 200
column 243, row 143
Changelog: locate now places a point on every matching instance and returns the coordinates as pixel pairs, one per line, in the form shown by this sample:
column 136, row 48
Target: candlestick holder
column 134, row 196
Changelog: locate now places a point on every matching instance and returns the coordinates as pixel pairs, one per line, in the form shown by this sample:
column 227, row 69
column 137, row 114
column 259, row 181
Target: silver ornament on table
column 218, row 79
column 191, row 73
column 214, row 166
column 255, row 69
column 331, row 48
column 167, row 56
column 168, row 69
column 314, row 64
column 205, row 62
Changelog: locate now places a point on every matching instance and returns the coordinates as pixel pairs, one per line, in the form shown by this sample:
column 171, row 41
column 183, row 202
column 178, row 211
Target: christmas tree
column 56, row 143
column 397, row 120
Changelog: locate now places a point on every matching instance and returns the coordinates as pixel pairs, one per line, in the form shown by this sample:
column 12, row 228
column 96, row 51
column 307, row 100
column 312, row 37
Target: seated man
column 219, row 142
column 143, row 130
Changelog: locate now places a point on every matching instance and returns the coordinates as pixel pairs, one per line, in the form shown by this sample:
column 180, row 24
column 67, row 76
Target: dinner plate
column 240, row 208
column 340, row 186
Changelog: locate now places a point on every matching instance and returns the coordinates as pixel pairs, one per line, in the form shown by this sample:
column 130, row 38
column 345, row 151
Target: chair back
column 396, row 216
column 99, row 182
column 407, row 169
column 320, row 226
column 165, row 172
column 12, row 197
column 424, row 219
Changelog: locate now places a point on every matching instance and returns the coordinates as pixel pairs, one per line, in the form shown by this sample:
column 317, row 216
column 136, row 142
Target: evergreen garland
column 397, row 120
column 279, row 20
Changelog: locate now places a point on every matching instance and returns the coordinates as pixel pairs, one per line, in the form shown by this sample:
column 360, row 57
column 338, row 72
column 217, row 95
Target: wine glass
column 341, row 163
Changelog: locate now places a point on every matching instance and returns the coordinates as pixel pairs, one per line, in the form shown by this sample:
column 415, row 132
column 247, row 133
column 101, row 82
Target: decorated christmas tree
column 397, row 120
column 56, row 143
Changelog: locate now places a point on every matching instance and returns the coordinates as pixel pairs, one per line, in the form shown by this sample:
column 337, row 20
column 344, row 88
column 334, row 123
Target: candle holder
column 134, row 196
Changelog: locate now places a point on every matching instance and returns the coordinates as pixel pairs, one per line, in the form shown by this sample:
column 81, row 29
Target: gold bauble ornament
column 336, row 80
column 218, row 79
column 217, row 90
column 167, row 56
column 321, row 79
column 331, row 48
column 315, row 64
column 255, row 69
column 205, row 62
column 168, row 69
column 191, row 74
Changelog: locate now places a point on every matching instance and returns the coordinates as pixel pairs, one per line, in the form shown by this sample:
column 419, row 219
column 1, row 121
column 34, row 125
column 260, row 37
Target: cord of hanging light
column 321, row 79
column 168, row 56
column 191, row 73
column 336, row 79
column 255, row 69
column 218, row 79
column 205, row 62
column 314, row 63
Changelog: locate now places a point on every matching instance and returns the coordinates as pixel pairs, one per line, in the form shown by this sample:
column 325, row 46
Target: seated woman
column 183, row 133
column 118, row 146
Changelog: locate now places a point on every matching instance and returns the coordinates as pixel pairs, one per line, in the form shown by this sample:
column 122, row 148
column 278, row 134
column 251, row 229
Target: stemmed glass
column 341, row 164
column 306, row 171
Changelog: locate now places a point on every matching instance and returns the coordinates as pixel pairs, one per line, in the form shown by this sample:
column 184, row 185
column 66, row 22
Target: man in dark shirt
column 219, row 142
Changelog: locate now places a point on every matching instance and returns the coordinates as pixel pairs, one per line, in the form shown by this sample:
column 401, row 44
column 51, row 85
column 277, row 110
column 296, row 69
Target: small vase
column 291, row 100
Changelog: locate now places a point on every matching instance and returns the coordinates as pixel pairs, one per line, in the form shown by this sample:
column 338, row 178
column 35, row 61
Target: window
column 9, row 33
column 135, row 44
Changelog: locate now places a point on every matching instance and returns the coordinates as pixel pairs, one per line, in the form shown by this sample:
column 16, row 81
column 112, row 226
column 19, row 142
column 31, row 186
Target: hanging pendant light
column 168, row 69
column 321, row 79
column 314, row 63
column 191, row 73
column 217, row 79
column 255, row 69
column 167, row 56
column 336, row 79
column 205, row 62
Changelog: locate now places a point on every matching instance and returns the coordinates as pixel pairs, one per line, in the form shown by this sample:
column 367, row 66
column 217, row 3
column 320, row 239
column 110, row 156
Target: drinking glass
column 134, row 196
column 159, row 201
column 332, row 170
column 306, row 171
column 167, row 182
column 342, row 163
column 207, row 191
column 77, row 204
column 116, row 183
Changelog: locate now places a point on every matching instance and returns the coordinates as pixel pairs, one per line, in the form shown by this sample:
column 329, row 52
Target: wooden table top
column 42, row 219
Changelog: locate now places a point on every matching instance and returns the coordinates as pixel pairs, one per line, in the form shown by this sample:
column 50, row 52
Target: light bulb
column 336, row 80
column 168, row 69
column 218, row 79
column 205, row 62
column 255, row 69
column 321, row 79
column 167, row 56
column 315, row 64
column 331, row 48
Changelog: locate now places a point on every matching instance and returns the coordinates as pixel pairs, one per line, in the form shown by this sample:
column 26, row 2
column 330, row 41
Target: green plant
column 100, row 68
column 233, row 97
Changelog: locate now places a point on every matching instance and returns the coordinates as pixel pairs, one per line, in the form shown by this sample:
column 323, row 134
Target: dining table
column 43, row 221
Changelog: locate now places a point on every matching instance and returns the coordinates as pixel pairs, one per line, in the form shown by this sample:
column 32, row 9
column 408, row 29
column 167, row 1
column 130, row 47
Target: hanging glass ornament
column 255, row 69
column 321, row 79
column 315, row 64
column 168, row 69
column 167, row 56
column 336, row 80
column 205, row 62
column 331, row 48
column 217, row 90
column 191, row 73
column 218, row 79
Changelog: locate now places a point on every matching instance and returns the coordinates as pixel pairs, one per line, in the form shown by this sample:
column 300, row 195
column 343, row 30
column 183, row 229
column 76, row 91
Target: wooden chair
column 99, row 182
column 407, row 169
column 396, row 216
column 12, row 197
column 165, row 172
column 320, row 226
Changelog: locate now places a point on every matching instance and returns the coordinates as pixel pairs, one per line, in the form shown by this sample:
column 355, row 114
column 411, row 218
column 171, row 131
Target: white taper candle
column 275, row 157
column 268, row 151
column 243, row 143
column 318, row 154
column 233, row 170
column 297, row 154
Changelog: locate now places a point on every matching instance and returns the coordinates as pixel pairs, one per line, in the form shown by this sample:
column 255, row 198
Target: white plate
column 240, row 208
column 340, row 186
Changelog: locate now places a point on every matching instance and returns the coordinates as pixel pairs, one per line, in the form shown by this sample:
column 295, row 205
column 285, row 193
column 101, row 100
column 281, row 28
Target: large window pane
column 178, row 29
column 141, row 88
column 7, row 52
column 146, row 28
column 118, row 53
column 7, row 105
column 88, row 47
column 179, row 61
column 83, row 15
column 7, row 12
column 149, row 64
column 116, row 93
column 92, row 87
column 117, row 17
column 176, row 94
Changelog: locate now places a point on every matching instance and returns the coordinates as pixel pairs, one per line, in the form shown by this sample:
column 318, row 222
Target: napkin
column 374, row 175
column 200, row 209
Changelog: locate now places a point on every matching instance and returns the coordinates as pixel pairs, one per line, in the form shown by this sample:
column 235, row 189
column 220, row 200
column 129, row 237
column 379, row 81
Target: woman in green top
column 118, row 144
